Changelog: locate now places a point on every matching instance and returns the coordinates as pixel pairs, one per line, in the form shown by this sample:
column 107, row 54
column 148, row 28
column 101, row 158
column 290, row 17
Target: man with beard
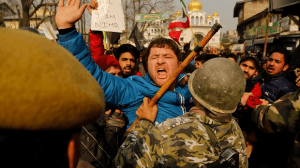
column 271, row 150
column 127, row 55
column 249, row 65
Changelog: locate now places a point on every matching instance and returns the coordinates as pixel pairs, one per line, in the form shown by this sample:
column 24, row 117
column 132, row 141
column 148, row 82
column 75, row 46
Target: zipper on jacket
column 182, row 103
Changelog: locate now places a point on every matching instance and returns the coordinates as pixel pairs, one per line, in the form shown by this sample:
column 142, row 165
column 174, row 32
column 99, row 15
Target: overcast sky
column 224, row 8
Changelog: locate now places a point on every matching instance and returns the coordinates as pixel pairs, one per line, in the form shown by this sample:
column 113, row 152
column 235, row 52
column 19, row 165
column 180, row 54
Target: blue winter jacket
column 127, row 94
column 273, row 87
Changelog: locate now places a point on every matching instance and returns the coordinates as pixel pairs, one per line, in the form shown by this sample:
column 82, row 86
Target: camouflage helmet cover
column 218, row 85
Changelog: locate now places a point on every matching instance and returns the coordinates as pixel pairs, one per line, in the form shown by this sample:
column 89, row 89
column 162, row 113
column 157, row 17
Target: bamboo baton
column 169, row 82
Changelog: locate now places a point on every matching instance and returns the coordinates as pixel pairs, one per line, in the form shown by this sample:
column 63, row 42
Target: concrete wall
column 254, row 7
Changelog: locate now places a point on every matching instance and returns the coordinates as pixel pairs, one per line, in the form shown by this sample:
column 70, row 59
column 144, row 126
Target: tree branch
column 41, row 5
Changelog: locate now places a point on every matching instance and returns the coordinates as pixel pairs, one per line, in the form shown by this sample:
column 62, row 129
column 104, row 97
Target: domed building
column 200, row 23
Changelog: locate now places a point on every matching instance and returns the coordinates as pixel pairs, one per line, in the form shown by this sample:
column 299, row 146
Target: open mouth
column 127, row 69
column 161, row 70
column 270, row 68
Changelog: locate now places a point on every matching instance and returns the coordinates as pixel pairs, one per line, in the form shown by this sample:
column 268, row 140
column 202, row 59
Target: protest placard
column 108, row 17
column 49, row 31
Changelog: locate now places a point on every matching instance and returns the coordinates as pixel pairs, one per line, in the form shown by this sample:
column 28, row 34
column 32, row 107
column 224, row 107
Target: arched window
column 197, row 20
column 216, row 21
column 192, row 20
column 209, row 23
column 155, row 30
column 201, row 20
column 151, row 30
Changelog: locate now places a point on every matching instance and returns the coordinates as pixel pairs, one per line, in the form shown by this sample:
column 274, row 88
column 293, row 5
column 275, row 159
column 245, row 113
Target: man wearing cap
column 46, row 96
column 249, row 65
column 195, row 138
column 161, row 61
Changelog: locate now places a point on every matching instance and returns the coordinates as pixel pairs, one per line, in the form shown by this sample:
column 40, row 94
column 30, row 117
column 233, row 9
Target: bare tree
column 26, row 10
column 133, row 7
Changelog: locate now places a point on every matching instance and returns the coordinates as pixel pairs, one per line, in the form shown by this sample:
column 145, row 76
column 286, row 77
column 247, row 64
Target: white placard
column 108, row 17
column 49, row 31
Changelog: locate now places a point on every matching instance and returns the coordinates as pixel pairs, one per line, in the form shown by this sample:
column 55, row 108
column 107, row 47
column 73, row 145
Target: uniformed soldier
column 282, row 115
column 196, row 138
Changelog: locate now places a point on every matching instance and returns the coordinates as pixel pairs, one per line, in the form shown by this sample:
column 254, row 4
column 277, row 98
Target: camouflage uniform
column 282, row 115
column 181, row 141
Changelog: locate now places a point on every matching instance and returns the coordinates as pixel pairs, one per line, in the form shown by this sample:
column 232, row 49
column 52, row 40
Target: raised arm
column 66, row 17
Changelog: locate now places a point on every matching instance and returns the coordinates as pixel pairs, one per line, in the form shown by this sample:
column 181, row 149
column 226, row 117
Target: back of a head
column 43, row 89
column 205, row 57
column 218, row 85
column 233, row 56
column 127, row 48
column 30, row 29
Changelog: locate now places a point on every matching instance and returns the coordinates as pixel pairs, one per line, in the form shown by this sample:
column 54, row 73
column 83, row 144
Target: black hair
column 35, row 148
column 232, row 56
column 127, row 48
column 285, row 52
column 161, row 43
column 205, row 57
column 109, row 52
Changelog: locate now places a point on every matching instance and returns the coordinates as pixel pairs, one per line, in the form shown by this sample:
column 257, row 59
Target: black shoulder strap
column 212, row 136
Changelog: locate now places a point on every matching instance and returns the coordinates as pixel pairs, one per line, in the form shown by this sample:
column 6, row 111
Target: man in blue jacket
column 162, row 59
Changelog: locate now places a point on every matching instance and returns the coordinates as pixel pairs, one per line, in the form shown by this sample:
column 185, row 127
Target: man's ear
column 286, row 66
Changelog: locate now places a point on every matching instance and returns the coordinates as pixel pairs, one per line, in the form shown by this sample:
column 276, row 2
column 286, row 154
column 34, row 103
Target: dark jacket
column 273, row 87
column 99, row 141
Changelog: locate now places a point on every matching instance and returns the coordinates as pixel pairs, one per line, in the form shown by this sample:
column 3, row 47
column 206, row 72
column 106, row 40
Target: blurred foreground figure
column 199, row 137
column 282, row 115
column 46, row 96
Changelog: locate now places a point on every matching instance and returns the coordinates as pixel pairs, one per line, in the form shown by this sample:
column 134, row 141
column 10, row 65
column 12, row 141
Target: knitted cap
column 105, row 61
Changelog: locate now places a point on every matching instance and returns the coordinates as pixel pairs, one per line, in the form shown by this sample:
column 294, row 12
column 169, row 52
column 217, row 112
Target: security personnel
column 195, row 138
column 282, row 115
column 46, row 96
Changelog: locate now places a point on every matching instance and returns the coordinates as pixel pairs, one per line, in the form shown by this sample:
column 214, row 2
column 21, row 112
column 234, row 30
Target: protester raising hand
column 67, row 15
column 92, row 5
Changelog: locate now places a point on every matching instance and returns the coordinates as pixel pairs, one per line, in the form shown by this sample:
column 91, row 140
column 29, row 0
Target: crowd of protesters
column 53, row 111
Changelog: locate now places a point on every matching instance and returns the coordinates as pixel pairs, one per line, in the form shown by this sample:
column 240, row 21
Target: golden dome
column 178, row 13
column 209, row 16
column 215, row 13
column 195, row 5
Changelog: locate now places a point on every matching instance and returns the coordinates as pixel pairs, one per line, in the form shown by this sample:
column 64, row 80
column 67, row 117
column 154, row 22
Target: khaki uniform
column 181, row 141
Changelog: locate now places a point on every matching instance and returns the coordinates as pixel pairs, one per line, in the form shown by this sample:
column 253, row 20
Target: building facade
column 200, row 22
column 253, row 26
column 201, row 25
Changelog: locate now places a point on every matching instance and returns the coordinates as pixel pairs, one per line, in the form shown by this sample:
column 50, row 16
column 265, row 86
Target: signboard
column 251, row 32
column 274, row 28
column 285, row 24
column 152, row 16
column 261, row 31
column 238, row 47
column 108, row 17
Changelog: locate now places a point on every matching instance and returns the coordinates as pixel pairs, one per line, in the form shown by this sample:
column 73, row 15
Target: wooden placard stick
column 189, row 58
